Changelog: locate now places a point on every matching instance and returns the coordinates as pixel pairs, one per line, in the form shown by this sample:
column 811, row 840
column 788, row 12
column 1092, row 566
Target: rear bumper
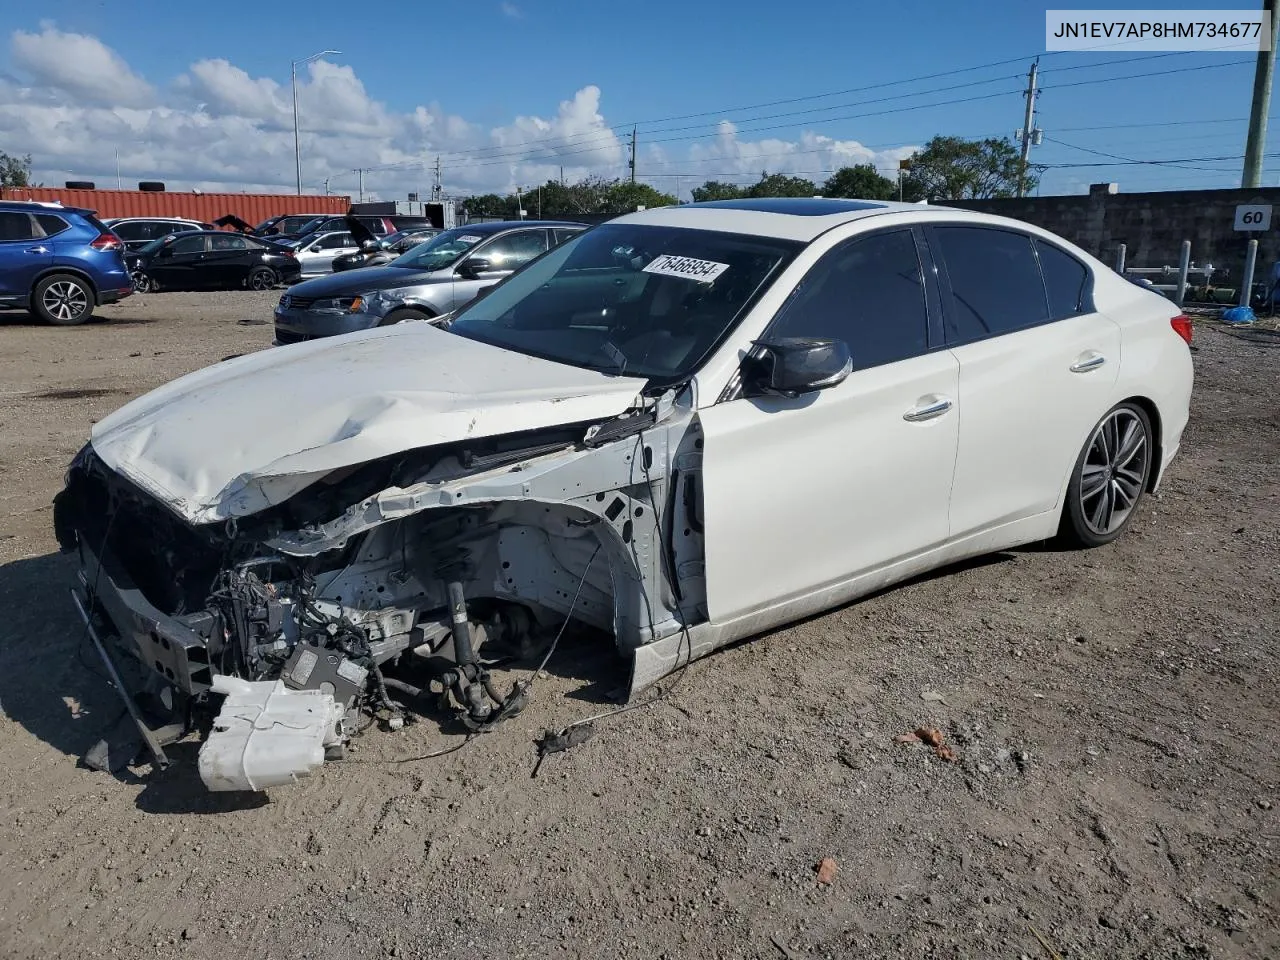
column 112, row 296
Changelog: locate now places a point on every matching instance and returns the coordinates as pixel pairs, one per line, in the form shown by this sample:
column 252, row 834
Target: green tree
column 952, row 168
column 15, row 171
column 623, row 196
column 489, row 205
column 860, row 182
column 781, row 185
column 717, row 190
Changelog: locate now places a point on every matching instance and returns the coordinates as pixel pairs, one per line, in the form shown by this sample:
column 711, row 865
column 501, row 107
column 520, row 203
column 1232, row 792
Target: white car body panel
column 809, row 492
column 1024, row 416
column 316, row 263
column 239, row 436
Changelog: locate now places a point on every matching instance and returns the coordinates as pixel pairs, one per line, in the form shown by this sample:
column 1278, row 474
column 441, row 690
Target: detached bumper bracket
column 148, row 735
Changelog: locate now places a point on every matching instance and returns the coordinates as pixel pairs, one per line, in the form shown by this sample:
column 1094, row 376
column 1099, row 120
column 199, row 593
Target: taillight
column 106, row 241
column 1182, row 326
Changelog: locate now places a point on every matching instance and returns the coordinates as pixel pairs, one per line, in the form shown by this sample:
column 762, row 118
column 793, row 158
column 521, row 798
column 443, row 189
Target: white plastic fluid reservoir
column 267, row 735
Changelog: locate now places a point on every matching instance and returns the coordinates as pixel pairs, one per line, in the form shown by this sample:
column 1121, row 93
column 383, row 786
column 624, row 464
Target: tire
column 261, row 278
column 63, row 299
column 404, row 313
column 1109, row 478
column 144, row 284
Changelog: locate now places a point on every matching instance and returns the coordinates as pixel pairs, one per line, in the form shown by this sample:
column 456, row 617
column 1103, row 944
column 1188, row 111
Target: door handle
column 927, row 409
column 37, row 249
column 1091, row 361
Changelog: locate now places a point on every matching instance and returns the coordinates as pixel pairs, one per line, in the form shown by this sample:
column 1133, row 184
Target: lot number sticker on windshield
column 469, row 239
column 704, row 271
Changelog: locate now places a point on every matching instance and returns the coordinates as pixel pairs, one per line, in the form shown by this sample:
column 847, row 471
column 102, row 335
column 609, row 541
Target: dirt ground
column 1114, row 712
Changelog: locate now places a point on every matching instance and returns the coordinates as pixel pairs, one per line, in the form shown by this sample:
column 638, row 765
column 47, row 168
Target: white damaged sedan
column 681, row 427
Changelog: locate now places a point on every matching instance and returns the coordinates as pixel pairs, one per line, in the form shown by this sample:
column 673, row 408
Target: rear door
column 492, row 261
column 23, row 254
column 227, row 263
column 1037, row 366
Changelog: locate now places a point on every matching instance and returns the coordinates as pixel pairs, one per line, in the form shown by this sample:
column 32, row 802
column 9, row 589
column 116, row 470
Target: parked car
column 137, row 232
column 58, row 262
column 433, row 278
column 317, row 251
column 379, row 226
column 378, row 253
column 212, row 260
column 682, row 427
column 284, row 227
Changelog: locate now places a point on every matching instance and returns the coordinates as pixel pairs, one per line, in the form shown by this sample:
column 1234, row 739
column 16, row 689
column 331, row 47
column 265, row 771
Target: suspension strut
column 470, row 680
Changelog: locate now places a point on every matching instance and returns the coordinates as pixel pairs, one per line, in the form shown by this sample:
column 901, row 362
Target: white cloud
column 79, row 65
column 512, row 11
column 71, row 103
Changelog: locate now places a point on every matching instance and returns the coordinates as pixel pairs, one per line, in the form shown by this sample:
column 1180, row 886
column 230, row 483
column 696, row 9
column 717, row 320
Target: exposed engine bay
column 398, row 586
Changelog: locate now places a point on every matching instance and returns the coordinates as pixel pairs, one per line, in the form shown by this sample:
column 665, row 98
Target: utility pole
column 1256, row 142
column 326, row 186
column 119, row 182
column 438, row 188
column 1028, row 132
column 633, row 154
column 360, row 179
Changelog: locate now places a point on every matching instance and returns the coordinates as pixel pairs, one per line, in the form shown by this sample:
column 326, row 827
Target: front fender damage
column 391, row 588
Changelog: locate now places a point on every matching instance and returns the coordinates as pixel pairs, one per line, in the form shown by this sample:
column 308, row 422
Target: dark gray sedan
column 431, row 279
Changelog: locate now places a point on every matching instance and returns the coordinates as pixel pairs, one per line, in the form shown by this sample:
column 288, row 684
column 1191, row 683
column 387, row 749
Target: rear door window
column 996, row 286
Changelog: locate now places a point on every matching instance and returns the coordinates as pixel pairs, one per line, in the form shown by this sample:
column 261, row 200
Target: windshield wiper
column 618, row 358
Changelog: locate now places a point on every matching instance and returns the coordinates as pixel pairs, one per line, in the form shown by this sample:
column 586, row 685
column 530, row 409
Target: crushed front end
column 389, row 586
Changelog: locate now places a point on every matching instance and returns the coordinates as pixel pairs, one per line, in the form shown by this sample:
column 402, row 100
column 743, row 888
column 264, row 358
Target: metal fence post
column 1246, row 283
column 1120, row 259
column 1184, row 264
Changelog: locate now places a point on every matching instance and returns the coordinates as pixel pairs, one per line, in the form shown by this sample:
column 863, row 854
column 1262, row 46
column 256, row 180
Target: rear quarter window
column 1066, row 282
column 51, row 224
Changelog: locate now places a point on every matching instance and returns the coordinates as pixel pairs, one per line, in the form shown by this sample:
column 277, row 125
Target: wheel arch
column 1148, row 406
column 76, row 272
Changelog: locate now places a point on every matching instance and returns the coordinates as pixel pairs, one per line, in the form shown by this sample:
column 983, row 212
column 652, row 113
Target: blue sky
column 506, row 93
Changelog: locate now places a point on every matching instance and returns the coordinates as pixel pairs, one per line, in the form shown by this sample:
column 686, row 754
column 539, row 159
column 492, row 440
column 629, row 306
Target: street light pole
column 293, row 80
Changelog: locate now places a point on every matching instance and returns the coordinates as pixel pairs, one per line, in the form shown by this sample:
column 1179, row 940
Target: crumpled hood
column 245, row 434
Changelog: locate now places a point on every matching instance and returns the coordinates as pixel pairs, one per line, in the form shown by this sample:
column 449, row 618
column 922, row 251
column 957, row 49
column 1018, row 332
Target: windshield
column 153, row 246
column 438, row 252
column 625, row 298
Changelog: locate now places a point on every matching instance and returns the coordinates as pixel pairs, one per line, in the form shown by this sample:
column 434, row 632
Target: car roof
column 166, row 219
column 35, row 206
column 497, row 226
column 789, row 218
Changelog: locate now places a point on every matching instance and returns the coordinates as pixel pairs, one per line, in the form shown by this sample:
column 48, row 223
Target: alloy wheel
column 1114, row 471
column 65, row 300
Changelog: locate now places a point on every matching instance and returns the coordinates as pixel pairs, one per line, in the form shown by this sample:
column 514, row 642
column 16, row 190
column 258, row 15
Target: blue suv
column 58, row 262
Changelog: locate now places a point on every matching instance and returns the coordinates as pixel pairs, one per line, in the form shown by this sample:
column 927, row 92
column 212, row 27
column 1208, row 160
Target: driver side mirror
column 471, row 269
column 791, row 366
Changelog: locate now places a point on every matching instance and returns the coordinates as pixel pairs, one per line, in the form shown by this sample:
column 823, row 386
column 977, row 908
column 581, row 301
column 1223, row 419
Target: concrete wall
column 1152, row 225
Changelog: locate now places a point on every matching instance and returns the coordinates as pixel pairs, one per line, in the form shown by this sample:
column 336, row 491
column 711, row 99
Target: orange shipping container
column 253, row 208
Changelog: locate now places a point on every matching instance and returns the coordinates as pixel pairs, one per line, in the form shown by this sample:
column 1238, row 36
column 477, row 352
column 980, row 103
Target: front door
column 806, row 493
column 1037, row 367
column 178, row 265
column 492, row 261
